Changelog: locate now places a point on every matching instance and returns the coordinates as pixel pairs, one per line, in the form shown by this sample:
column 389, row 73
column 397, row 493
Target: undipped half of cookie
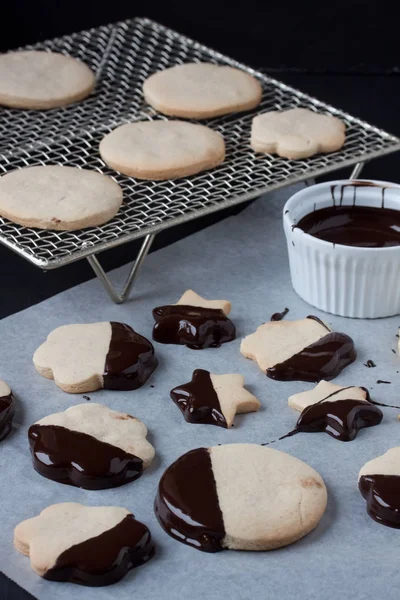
column 202, row 90
column 90, row 446
column 160, row 150
column 89, row 545
column 88, row 357
column 239, row 497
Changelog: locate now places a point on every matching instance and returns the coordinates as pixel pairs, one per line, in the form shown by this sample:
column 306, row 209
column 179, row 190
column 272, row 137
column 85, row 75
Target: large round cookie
column 201, row 91
column 39, row 80
column 239, row 497
column 58, row 198
column 162, row 149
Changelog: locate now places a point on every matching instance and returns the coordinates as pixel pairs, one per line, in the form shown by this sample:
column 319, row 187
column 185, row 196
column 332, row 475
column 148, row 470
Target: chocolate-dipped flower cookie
column 239, row 497
column 88, row 545
column 88, row 357
column 379, row 484
column 90, row 446
column 194, row 322
column 7, row 409
column 214, row 399
column 304, row 350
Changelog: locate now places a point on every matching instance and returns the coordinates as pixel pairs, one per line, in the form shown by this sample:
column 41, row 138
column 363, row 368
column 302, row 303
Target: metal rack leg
column 102, row 275
column 357, row 170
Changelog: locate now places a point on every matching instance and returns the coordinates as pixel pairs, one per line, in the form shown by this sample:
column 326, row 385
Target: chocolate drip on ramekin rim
column 130, row 359
column 106, row 558
column 199, row 401
column 193, row 326
column 186, row 504
column 80, row 459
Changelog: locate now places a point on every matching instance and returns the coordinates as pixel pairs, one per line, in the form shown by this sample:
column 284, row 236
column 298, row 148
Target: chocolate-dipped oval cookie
column 379, row 484
column 239, row 497
column 85, row 358
column 194, row 322
column 88, row 545
column 304, row 350
column 7, row 409
column 90, row 446
column 214, row 399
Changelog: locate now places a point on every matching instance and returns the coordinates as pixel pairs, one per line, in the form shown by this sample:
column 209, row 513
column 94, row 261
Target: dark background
column 345, row 53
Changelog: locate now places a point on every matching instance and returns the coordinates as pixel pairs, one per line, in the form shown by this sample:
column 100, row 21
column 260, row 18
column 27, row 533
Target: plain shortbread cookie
column 34, row 79
column 162, row 150
column 296, row 133
column 58, row 198
column 201, row 91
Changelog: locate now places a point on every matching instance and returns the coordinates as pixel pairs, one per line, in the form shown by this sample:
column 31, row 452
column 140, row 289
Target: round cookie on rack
column 161, row 150
column 58, row 198
column 202, row 90
column 35, row 79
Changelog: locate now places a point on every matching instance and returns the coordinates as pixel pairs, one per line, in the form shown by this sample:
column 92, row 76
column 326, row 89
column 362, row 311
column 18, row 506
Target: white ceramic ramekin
column 343, row 280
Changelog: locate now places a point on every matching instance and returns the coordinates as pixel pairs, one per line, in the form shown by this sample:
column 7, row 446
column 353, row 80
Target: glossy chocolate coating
column 106, row 558
column 382, row 493
column 80, row 459
column 342, row 419
column 362, row 226
column 7, row 411
column 324, row 359
column 198, row 400
column 187, row 505
column 278, row 316
column 130, row 359
column 193, row 326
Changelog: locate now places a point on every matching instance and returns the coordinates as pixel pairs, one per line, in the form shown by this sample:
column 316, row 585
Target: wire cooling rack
column 122, row 56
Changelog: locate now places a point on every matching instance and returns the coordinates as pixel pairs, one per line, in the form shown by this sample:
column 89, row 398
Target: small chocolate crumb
column 381, row 381
column 397, row 335
column 394, row 351
column 369, row 364
column 86, row 397
column 293, row 243
column 286, row 211
column 151, row 385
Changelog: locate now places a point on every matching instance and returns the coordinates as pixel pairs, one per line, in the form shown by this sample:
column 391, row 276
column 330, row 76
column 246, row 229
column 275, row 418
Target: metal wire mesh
column 123, row 55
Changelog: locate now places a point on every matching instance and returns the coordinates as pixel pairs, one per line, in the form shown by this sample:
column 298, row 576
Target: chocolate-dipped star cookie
column 214, row 399
column 90, row 446
column 379, row 484
column 89, row 545
column 305, row 350
column 194, row 322
column 7, row 409
column 85, row 358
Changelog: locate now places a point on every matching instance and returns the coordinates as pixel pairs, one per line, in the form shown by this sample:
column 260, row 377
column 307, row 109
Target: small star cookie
column 214, row 399
column 326, row 391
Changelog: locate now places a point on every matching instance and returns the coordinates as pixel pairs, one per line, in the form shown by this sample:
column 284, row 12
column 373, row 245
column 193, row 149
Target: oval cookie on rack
column 239, row 497
column 296, row 133
column 90, row 446
column 161, row 150
column 88, row 545
column 202, row 90
column 88, row 357
column 7, row 409
column 58, row 198
column 36, row 79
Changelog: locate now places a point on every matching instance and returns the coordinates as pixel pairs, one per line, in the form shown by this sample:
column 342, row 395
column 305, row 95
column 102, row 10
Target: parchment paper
column 243, row 259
